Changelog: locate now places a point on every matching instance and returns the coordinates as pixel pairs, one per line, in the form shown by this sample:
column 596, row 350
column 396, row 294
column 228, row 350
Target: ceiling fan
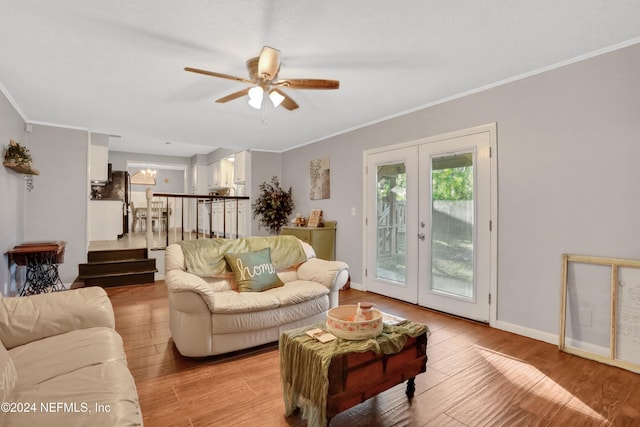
column 263, row 71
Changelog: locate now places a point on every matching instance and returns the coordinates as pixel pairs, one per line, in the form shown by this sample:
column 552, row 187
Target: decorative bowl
column 341, row 324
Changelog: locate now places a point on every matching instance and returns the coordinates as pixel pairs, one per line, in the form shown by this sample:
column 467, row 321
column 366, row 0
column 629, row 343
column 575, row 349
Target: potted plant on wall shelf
column 18, row 158
column 273, row 206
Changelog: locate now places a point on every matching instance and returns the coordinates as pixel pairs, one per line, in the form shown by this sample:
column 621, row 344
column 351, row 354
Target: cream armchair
column 60, row 348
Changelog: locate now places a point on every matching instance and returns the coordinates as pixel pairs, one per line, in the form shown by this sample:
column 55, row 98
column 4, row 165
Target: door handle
column 421, row 236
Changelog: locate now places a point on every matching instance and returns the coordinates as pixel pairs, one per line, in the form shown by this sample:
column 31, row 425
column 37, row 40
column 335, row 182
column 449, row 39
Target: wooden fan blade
column 308, row 83
column 234, row 95
column 269, row 63
column 287, row 102
column 214, row 74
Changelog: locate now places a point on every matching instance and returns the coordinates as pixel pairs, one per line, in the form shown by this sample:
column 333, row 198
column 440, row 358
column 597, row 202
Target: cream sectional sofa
column 207, row 313
column 62, row 363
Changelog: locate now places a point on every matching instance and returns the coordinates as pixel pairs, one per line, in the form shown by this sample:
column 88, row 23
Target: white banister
column 149, row 227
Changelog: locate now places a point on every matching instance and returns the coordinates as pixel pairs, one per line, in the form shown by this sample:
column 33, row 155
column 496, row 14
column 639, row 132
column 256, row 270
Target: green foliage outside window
column 453, row 183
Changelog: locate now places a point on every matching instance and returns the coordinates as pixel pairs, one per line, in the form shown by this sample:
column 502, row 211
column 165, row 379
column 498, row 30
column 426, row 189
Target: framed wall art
column 320, row 179
column 314, row 218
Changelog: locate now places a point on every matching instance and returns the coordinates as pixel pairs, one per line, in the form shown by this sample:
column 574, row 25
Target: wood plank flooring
column 476, row 376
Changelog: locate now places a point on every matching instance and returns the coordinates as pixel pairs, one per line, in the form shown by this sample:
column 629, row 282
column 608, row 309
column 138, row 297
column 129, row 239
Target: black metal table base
column 42, row 275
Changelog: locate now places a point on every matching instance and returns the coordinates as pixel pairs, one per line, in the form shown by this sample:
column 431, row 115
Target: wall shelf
column 21, row 169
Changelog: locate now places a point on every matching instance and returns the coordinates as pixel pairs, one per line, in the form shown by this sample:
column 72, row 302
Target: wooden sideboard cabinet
column 322, row 239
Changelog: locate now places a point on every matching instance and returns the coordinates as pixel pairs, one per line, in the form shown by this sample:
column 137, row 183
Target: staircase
column 117, row 267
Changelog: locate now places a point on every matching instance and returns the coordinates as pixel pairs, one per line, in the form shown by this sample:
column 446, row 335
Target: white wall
column 568, row 143
column 57, row 206
column 263, row 166
column 12, row 191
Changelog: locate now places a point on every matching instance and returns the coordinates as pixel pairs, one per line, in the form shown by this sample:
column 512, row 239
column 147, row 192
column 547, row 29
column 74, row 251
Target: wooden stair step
column 116, row 267
column 120, row 280
column 116, row 274
column 117, row 255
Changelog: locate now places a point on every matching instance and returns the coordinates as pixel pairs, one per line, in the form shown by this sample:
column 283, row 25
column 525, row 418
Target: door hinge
column 489, row 299
column 365, row 272
column 490, row 225
column 490, row 152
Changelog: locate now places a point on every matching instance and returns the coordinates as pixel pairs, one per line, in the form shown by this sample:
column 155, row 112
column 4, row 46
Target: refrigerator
column 117, row 188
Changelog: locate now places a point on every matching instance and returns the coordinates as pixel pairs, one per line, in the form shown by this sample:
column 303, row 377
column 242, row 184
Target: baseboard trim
column 528, row 332
column 505, row 326
column 587, row 347
column 357, row 286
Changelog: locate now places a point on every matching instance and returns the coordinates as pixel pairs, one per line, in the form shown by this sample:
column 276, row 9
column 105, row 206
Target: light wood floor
column 476, row 376
column 139, row 240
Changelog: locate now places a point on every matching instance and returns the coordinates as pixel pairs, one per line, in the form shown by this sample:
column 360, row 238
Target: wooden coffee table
column 354, row 377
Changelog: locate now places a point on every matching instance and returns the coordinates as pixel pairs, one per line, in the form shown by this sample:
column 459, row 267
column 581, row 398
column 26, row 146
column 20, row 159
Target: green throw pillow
column 253, row 271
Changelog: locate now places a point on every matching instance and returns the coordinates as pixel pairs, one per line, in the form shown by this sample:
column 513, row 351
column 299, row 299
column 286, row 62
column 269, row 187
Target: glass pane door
column 452, row 222
column 455, row 225
column 391, row 222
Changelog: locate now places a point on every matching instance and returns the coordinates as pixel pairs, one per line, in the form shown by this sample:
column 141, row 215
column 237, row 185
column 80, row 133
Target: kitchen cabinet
column 230, row 219
column 240, row 167
column 106, row 219
column 215, row 174
column 226, row 173
column 236, row 224
column 217, row 220
column 243, row 217
column 224, row 218
column 99, row 158
column 203, row 216
column 200, row 186
column 221, row 173
column 322, row 239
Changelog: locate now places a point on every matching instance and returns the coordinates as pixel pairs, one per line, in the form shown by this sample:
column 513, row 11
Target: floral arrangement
column 17, row 155
column 273, row 206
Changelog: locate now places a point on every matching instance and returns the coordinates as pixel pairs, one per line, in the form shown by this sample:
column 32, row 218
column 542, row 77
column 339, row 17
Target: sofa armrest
column 30, row 318
column 179, row 281
column 332, row 274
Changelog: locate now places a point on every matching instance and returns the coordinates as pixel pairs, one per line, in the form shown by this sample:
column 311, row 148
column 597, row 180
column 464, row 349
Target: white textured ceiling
column 116, row 66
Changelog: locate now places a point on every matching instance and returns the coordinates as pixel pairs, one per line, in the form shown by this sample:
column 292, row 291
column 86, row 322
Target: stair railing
column 193, row 216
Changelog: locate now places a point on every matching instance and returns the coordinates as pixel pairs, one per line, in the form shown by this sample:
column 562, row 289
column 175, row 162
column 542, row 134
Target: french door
column 429, row 218
column 392, row 217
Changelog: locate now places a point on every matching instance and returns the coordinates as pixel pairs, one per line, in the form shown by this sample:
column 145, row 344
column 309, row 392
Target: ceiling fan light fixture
column 256, row 93
column 142, row 178
column 263, row 77
column 255, row 103
column 276, row 98
column 268, row 63
column 255, row 97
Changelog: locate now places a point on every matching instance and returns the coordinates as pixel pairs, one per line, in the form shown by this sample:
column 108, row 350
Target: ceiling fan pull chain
column 264, row 111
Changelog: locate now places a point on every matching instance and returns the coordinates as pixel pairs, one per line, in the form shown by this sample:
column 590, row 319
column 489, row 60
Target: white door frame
column 493, row 268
